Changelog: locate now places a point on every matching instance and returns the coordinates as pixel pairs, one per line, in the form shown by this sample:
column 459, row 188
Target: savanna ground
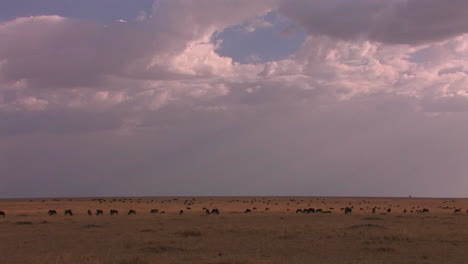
column 29, row 235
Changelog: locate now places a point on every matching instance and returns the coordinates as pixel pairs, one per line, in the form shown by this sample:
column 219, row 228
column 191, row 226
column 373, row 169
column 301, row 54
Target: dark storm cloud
column 393, row 21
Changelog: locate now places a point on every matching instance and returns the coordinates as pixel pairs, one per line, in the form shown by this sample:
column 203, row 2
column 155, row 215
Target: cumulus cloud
column 371, row 79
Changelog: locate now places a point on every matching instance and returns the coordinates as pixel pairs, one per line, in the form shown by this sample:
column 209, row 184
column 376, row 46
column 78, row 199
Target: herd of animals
column 216, row 211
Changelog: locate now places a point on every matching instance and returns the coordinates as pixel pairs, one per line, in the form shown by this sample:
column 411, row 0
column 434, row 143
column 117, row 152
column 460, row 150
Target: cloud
column 394, row 21
column 367, row 105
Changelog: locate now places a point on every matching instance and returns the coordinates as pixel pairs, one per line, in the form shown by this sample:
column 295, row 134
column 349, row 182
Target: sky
column 267, row 97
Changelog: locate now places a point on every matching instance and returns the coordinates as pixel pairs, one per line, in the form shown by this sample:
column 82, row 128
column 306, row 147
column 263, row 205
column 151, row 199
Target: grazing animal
column 2, row 213
column 113, row 212
column 404, row 211
column 89, row 212
column 131, row 212
column 373, row 210
column 348, row 210
column 99, row 212
column 425, row 210
column 389, row 210
column 458, row 210
column 247, row 211
column 207, row 211
column 154, row 211
column 215, row 211
column 319, row 211
column 68, row 212
column 298, row 211
column 52, row 212
column 267, row 209
column 181, row 212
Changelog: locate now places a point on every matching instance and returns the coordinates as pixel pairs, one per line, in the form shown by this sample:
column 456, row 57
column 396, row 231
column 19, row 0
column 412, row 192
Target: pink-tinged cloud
column 373, row 103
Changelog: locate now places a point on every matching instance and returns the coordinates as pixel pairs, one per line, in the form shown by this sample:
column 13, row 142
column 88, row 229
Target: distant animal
column 68, row 212
column 113, row 212
column 131, row 212
column 181, row 212
column 425, row 210
column 373, row 210
column 247, row 211
column 2, row 213
column 319, row 210
column 267, row 209
column 348, row 210
column 89, row 212
column 207, row 211
column 99, row 212
column 458, row 210
column 404, row 211
column 389, row 210
column 154, row 211
column 298, row 211
column 52, row 212
column 215, row 211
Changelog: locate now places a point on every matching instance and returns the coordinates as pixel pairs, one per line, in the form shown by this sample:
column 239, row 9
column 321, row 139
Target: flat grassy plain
column 276, row 235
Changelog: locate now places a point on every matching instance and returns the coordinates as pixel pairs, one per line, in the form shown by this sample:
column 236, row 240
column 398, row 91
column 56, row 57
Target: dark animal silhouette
column 181, row 212
column 99, row 212
column 2, row 213
column 113, row 212
column 348, row 210
column 425, row 210
column 68, row 212
column 373, row 210
column 247, row 211
column 298, row 211
column 154, row 211
column 207, row 211
column 389, row 210
column 52, row 212
column 131, row 212
column 404, row 211
column 458, row 210
column 215, row 211
column 89, row 212
column 319, row 210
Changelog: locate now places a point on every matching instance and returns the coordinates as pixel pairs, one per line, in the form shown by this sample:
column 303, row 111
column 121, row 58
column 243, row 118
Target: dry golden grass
column 29, row 235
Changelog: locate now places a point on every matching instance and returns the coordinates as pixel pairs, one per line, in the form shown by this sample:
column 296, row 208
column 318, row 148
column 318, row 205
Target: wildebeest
column 247, row 211
column 89, row 212
column 131, row 212
column 319, row 210
column 2, row 213
column 373, row 210
column 99, row 212
column 298, row 211
column 389, row 210
column 348, row 210
column 425, row 210
column 68, row 212
column 113, row 212
column 52, row 212
column 181, row 212
column 154, row 211
column 404, row 211
column 458, row 210
column 207, row 211
column 215, row 211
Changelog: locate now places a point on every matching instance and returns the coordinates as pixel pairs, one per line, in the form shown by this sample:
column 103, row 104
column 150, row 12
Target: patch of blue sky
column 273, row 40
column 101, row 10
